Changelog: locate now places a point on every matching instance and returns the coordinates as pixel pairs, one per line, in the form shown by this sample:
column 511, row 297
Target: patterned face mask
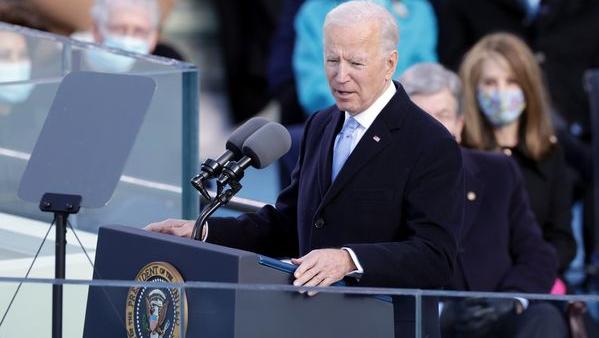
column 104, row 61
column 501, row 107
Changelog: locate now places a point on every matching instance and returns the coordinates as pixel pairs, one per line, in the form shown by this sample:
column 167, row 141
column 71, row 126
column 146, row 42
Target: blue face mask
column 501, row 107
column 113, row 63
column 15, row 71
column 127, row 43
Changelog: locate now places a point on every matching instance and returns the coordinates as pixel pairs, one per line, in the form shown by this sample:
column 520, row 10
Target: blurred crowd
column 504, row 76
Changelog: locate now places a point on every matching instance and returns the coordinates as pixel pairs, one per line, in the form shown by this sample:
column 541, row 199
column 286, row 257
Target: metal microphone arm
column 221, row 199
column 210, row 169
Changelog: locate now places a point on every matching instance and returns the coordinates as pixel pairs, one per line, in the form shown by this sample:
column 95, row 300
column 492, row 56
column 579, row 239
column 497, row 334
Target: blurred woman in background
column 506, row 109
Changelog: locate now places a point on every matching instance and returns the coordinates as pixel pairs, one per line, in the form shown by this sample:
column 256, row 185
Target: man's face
column 444, row 107
column 357, row 68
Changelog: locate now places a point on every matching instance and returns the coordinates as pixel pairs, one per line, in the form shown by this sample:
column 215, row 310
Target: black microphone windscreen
column 236, row 140
column 267, row 145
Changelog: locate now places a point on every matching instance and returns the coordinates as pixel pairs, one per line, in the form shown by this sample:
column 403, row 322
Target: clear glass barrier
column 154, row 184
column 263, row 310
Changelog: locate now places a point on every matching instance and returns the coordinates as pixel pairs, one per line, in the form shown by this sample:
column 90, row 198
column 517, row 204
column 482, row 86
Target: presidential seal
column 156, row 312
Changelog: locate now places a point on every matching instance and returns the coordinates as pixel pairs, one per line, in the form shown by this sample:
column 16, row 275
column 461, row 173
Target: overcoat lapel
column 475, row 188
column 326, row 152
column 365, row 150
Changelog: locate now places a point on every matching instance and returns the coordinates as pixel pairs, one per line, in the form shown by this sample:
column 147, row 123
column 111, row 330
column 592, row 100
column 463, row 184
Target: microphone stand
column 222, row 198
column 209, row 169
column 231, row 174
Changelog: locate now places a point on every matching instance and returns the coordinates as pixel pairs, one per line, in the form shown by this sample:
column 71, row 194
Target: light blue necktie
column 343, row 146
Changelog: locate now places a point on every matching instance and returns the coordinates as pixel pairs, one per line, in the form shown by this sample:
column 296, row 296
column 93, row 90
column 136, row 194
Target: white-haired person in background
column 130, row 25
column 501, row 244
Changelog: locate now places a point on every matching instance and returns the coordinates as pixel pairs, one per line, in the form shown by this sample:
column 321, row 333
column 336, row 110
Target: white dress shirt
column 365, row 120
column 368, row 116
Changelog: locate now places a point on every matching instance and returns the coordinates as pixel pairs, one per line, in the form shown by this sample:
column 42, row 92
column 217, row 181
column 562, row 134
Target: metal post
column 190, row 143
column 67, row 64
column 59, row 273
column 61, row 205
column 592, row 87
column 595, row 151
column 418, row 315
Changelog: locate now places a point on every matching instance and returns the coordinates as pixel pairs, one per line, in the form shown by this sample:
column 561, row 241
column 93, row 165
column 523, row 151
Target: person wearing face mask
column 20, row 121
column 501, row 244
column 130, row 25
column 506, row 109
column 548, row 27
column 15, row 65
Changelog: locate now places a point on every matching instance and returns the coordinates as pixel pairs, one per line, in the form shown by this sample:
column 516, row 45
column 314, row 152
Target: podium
column 122, row 252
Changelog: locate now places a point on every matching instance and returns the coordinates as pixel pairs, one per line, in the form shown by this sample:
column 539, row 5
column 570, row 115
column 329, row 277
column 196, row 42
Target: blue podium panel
column 122, row 252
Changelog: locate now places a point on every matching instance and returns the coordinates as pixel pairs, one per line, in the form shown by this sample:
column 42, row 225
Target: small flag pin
column 376, row 138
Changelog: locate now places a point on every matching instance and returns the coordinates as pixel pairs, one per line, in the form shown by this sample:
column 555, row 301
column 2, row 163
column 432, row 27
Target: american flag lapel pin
column 376, row 138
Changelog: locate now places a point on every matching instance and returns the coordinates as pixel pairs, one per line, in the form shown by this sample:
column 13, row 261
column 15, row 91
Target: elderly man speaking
column 377, row 192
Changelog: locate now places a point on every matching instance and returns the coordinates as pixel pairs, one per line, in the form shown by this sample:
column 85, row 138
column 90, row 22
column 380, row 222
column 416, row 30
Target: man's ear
column 391, row 63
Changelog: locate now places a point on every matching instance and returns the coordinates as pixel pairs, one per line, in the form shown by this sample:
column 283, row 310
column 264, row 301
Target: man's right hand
column 177, row 227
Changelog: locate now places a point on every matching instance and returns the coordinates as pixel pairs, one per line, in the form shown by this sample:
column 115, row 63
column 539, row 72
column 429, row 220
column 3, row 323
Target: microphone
column 211, row 168
column 262, row 148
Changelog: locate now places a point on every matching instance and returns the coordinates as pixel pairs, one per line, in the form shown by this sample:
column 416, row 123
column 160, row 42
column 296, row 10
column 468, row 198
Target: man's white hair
column 101, row 9
column 350, row 12
column 430, row 78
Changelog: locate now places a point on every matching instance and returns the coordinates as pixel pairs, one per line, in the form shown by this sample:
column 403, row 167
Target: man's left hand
column 322, row 267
